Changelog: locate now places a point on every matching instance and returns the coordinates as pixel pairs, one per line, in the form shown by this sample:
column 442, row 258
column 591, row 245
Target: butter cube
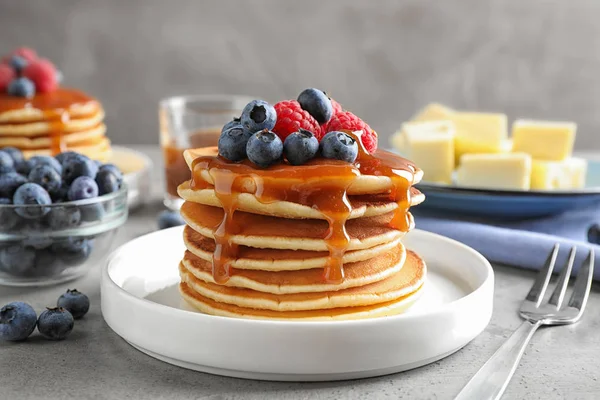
column 480, row 133
column 544, row 140
column 561, row 175
column 430, row 145
column 495, row 171
column 433, row 112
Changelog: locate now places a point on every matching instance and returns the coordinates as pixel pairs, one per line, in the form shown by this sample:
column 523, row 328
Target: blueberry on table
column 17, row 260
column 78, row 165
column 83, row 187
column 21, row 87
column 168, row 219
column 107, row 181
column 17, row 321
column 75, row 302
column 64, row 217
column 7, row 164
column 45, row 160
column 55, row 323
column 232, row 143
column 301, row 146
column 30, row 194
column 9, row 182
column 47, row 177
column 16, row 154
column 317, row 104
column 258, row 115
column 264, row 148
column 339, row 146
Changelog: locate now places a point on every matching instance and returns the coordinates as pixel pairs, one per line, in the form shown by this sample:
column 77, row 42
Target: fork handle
column 491, row 380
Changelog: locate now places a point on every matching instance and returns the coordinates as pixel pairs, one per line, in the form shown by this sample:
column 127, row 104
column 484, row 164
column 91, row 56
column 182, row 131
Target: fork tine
column 536, row 294
column 563, row 281
column 583, row 283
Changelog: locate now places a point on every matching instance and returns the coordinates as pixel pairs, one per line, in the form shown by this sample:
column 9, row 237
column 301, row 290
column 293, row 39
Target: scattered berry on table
column 264, row 148
column 31, row 194
column 301, row 146
column 55, row 323
column 232, row 143
column 47, row 177
column 291, row 118
column 82, row 188
column 7, row 75
column 168, row 219
column 17, row 321
column 9, row 182
column 78, row 165
column 339, row 146
column 7, row 163
column 21, row 87
column 317, row 104
column 43, row 74
column 258, row 115
column 345, row 120
column 77, row 303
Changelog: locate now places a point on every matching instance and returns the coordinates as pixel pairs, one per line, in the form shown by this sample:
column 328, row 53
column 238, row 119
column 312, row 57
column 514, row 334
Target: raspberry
column 345, row 120
column 43, row 73
column 337, row 108
column 291, row 117
column 7, row 74
column 25, row 52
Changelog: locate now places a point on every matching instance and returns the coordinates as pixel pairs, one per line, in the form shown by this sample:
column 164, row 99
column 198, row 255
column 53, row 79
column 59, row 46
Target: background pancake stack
column 49, row 123
column 274, row 258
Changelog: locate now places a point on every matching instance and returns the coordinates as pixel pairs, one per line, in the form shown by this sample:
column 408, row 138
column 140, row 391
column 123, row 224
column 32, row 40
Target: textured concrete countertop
column 560, row 363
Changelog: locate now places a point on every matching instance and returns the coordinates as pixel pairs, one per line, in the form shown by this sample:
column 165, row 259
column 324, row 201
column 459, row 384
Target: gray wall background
column 380, row 59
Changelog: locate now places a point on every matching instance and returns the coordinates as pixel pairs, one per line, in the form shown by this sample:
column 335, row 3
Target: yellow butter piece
column 558, row 175
column 495, row 171
column 480, row 133
column 433, row 112
column 544, row 140
column 430, row 145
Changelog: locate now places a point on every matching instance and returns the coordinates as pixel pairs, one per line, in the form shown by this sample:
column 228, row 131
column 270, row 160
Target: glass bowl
column 50, row 244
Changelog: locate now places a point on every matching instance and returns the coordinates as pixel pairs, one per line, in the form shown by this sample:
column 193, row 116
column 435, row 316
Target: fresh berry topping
column 9, row 182
column 339, row 146
column 108, row 181
column 264, row 148
column 233, row 123
column 82, row 188
column 15, row 153
column 64, row 217
column 47, row 177
column 291, row 118
column 7, row 75
column 345, row 120
column 317, row 104
column 337, row 108
column 7, row 163
column 78, row 165
column 18, row 63
column 301, row 146
column 55, row 323
column 232, row 143
column 168, row 219
column 17, row 321
column 31, row 194
column 258, row 115
column 75, row 302
column 27, row 53
column 43, row 73
column 21, row 87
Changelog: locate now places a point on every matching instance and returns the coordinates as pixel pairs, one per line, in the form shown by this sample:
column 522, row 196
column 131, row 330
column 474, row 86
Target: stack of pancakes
column 281, row 251
column 49, row 123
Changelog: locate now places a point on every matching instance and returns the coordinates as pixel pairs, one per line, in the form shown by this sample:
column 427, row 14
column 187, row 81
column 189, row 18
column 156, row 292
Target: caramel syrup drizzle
column 321, row 184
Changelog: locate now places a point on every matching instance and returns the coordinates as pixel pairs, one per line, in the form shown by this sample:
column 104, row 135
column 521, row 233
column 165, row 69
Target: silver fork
column 491, row 380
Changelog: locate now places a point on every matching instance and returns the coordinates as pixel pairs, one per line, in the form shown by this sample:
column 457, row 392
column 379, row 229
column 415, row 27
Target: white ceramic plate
column 140, row 303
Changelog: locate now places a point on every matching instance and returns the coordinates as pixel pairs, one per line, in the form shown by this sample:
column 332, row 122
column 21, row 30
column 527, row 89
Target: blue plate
column 511, row 203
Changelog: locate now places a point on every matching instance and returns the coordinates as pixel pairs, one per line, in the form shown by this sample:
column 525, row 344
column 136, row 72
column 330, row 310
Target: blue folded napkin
column 524, row 244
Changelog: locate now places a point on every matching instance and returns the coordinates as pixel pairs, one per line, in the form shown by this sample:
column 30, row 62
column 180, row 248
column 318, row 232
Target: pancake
column 32, row 113
column 38, row 128
column 302, row 281
column 277, row 259
column 262, row 231
column 92, row 135
column 408, row 280
column 208, row 306
column 362, row 205
column 100, row 151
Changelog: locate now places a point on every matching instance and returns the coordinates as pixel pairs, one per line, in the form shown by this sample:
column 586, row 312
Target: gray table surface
column 95, row 363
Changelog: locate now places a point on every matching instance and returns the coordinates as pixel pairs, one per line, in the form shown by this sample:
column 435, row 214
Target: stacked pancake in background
column 317, row 241
column 40, row 118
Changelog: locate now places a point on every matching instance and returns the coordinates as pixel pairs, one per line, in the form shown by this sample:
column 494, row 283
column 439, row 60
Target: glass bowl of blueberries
column 58, row 216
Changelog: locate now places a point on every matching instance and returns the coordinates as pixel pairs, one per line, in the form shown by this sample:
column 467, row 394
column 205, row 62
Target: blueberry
column 232, row 143
column 47, row 177
column 22, row 87
column 258, row 115
column 301, row 146
column 23, row 167
column 47, row 263
column 62, row 157
column 73, row 251
column 15, row 153
column 17, row 260
column 61, row 195
column 55, row 323
column 317, row 104
column 339, row 146
column 264, row 148
column 112, row 168
column 107, row 181
column 38, row 242
column 8, row 219
column 64, row 217
column 5, row 201
column 92, row 212
column 593, row 235
column 7, row 163
column 31, row 194
column 17, row 321
column 168, row 219
column 234, row 122
column 44, row 160
column 18, row 63
column 75, row 302
column 9, row 183
column 82, row 188
column 78, row 165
